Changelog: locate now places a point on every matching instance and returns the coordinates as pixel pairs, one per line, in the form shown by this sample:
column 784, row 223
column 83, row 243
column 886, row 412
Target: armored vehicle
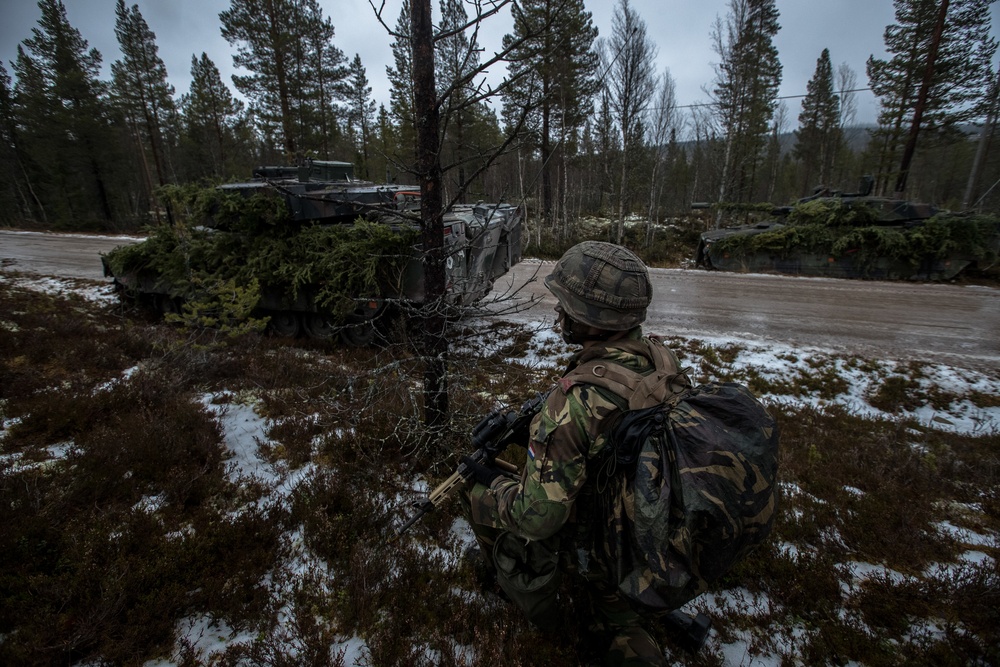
column 855, row 235
column 325, row 254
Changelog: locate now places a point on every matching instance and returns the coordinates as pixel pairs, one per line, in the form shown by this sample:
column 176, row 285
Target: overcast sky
column 851, row 29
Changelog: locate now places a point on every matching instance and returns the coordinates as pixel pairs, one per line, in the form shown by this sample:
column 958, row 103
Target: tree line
column 580, row 125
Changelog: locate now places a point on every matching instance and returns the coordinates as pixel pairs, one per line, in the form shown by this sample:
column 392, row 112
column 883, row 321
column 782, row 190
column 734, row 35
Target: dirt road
column 61, row 255
column 959, row 325
column 953, row 324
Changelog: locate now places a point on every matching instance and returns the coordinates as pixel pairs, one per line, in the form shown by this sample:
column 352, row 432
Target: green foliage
column 868, row 244
column 746, row 89
column 210, row 118
column 221, row 305
column 140, row 83
column 819, row 132
column 976, row 235
column 345, row 262
column 832, row 228
column 226, row 210
column 294, row 70
column 782, row 240
column 255, row 248
column 834, row 213
column 562, row 80
column 63, row 120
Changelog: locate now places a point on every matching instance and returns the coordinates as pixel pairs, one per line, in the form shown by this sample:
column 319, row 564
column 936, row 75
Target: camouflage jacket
column 566, row 436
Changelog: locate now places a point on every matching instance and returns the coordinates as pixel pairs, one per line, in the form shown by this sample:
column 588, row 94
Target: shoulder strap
column 641, row 390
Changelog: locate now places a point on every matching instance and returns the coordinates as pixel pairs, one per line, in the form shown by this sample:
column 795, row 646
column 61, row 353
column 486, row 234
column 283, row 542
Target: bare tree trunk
column 133, row 127
column 651, row 213
column 546, row 154
column 563, row 196
column 38, row 202
column 433, row 343
column 620, row 236
column 725, row 177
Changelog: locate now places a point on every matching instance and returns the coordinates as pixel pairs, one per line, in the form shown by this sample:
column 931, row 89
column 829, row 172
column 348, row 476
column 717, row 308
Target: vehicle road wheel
column 285, row 323
column 318, row 325
column 359, row 334
column 167, row 305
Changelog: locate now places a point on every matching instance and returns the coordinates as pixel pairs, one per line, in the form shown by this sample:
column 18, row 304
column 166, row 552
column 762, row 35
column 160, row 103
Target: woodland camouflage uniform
column 556, row 503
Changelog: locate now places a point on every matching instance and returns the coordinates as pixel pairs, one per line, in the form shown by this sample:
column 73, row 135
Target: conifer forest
column 581, row 124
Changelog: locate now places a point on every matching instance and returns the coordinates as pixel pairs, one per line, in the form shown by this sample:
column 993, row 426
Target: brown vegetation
column 125, row 523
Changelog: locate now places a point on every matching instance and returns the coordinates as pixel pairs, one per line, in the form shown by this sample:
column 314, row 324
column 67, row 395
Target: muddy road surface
column 943, row 323
column 953, row 324
column 60, row 255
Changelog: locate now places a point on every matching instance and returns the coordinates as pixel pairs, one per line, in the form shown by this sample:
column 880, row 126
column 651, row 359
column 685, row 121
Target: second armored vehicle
column 856, row 235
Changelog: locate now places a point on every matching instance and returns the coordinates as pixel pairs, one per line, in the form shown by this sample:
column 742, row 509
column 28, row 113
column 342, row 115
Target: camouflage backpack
column 698, row 489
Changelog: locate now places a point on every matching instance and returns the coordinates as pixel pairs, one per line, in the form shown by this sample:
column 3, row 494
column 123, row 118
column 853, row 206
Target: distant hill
column 857, row 137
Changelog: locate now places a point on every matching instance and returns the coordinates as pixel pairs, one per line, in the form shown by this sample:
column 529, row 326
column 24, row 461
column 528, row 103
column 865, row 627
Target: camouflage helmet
column 602, row 285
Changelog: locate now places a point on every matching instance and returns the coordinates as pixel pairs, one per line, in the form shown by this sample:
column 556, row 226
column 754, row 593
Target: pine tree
column 456, row 59
column 210, row 116
column 552, row 67
column 746, row 90
column 37, row 142
column 142, row 93
column 360, row 114
column 296, row 73
column 960, row 74
column 61, row 110
column 261, row 30
column 15, row 203
column 384, row 145
column 325, row 85
column 819, row 124
column 401, row 100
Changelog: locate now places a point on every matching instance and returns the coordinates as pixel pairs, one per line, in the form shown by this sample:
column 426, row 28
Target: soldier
column 554, row 518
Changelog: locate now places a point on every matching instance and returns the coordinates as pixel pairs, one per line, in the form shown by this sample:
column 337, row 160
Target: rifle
column 489, row 438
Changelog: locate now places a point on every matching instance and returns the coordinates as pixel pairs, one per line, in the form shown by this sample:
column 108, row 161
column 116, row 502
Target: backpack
column 698, row 487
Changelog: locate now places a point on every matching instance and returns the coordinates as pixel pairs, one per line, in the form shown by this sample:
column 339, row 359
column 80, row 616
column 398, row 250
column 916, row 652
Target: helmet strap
column 577, row 333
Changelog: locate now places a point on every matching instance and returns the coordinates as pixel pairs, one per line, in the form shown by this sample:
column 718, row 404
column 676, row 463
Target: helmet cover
column 602, row 285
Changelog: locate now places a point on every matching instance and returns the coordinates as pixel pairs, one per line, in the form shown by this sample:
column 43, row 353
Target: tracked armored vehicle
column 856, row 235
column 328, row 255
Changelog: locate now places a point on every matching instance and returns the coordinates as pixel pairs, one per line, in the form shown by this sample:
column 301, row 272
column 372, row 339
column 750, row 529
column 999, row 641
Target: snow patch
column 207, row 637
column 966, row 536
column 777, row 364
column 102, row 293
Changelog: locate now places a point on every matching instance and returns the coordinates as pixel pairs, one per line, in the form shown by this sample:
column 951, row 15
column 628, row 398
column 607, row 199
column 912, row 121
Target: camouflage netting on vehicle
column 836, row 229
column 253, row 238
